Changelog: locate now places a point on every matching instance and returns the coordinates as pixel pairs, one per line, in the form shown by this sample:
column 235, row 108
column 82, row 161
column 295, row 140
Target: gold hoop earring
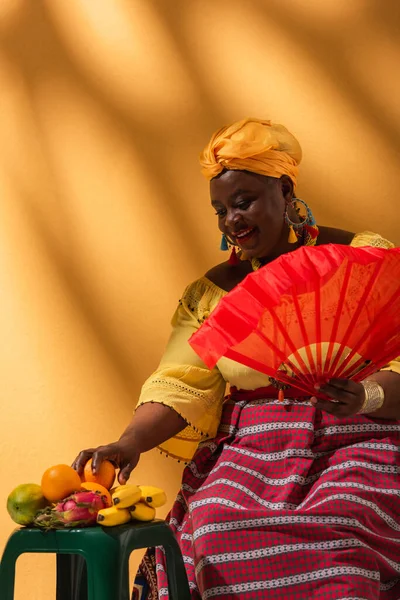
column 306, row 231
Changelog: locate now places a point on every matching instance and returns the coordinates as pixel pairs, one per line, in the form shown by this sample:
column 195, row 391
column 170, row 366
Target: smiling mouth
column 244, row 235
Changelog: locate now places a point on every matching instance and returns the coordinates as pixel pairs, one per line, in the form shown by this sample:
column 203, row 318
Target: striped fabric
column 289, row 502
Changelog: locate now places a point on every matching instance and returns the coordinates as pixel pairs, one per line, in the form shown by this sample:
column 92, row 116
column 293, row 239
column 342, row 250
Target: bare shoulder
column 331, row 235
column 227, row 276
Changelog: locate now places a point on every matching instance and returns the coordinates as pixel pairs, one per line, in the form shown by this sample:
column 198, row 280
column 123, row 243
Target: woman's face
column 250, row 210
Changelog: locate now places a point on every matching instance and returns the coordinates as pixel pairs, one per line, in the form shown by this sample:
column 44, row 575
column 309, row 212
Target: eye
column 221, row 212
column 244, row 204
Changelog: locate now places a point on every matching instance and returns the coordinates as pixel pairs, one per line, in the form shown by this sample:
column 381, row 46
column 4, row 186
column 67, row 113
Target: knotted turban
column 252, row 145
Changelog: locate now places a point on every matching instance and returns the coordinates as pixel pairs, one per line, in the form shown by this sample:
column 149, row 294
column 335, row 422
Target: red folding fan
column 310, row 315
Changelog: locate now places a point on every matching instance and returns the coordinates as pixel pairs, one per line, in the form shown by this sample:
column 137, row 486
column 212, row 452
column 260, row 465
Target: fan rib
column 285, row 360
column 294, row 350
column 318, row 372
column 335, row 326
column 254, row 364
column 304, row 333
column 368, row 330
column 353, row 320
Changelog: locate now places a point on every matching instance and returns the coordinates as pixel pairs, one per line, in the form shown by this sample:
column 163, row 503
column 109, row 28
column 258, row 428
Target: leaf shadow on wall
column 27, row 46
column 324, row 46
column 36, row 48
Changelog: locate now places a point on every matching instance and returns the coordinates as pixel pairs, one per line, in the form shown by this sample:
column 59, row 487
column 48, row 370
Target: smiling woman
column 278, row 498
column 250, row 208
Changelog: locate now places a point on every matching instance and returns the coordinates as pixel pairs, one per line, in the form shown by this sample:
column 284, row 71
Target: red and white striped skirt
column 289, row 502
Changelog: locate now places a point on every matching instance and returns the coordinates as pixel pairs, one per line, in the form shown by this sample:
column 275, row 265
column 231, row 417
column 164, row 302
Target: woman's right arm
column 181, row 385
column 151, row 425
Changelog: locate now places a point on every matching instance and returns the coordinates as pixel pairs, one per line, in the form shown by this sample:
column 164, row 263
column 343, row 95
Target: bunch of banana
column 132, row 502
column 153, row 496
column 125, row 496
column 108, row 517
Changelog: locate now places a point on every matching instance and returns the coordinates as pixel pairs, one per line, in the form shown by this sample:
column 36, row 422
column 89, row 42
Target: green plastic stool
column 106, row 551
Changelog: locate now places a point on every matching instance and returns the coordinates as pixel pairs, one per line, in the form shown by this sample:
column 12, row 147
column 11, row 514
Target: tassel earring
column 224, row 243
column 292, row 239
column 233, row 259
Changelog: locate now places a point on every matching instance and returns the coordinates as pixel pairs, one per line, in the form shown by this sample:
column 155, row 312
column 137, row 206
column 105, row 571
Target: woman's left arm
column 350, row 396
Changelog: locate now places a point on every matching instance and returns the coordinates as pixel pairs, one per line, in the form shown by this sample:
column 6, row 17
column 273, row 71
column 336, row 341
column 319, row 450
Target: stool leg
column 124, row 593
column 178, row 585
column 7, row 574
column 103, row 575
column 71, row 577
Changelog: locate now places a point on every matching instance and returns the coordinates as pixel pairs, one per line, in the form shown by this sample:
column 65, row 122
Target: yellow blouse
column 185, row 384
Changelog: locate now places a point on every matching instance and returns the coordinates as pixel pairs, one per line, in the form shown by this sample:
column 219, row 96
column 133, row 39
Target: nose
column 232, row 217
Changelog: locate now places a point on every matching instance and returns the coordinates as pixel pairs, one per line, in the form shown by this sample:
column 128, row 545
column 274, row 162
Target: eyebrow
column 235, row 194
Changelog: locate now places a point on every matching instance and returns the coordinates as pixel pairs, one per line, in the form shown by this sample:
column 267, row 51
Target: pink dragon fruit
column 78, row 510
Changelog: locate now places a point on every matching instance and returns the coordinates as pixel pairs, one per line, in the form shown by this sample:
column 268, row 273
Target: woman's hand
column 151, row 425
column 347, row 397
column 121, row 453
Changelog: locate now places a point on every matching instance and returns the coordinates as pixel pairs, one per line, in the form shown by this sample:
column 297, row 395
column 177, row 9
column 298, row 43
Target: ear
column 287, row 187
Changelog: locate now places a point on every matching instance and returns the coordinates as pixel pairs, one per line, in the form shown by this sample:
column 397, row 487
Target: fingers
column 125, row 473
column 335, row 393
column 336, row 388
column 125, row 461
column 96, row 454
column 127, row 467
column 346, row 397
column 81, row 460
column 100, row 454
column 337, row 409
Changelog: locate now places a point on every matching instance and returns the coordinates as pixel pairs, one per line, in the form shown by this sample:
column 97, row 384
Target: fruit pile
column 65, row 500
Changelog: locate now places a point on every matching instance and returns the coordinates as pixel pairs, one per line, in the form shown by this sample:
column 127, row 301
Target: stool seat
column 106, row 551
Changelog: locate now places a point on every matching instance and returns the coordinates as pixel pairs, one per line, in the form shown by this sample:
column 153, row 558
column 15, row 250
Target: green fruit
column 25, row 502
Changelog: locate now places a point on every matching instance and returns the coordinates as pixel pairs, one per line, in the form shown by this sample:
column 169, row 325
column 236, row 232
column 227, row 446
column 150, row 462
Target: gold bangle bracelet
column 374, row 397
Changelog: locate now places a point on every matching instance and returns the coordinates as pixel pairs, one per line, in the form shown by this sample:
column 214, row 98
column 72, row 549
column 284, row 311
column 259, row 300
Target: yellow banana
column 108, row 517
column 153, row 496
column 142, row 512
column 125, row 496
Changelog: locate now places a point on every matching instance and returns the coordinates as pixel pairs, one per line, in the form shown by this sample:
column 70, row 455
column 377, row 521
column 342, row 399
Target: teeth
column 244, row 233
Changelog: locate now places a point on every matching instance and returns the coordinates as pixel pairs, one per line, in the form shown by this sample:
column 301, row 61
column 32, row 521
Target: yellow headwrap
column 252, row 145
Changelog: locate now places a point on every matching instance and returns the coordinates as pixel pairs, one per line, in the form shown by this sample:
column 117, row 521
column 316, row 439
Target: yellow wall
column 104, row 107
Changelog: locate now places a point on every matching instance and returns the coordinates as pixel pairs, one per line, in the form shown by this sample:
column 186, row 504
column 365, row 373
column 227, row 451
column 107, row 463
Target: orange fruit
column 105, row 476
column 60, row 481
column 96, row 487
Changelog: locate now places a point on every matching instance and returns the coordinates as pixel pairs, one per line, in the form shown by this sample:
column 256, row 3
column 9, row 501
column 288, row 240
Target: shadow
column 34, row 37
column 336, row 213
column 72, row 583
column 83, row 299
column 324, row 48
column 28, row 46
column 209, row 573
column 386, row 17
